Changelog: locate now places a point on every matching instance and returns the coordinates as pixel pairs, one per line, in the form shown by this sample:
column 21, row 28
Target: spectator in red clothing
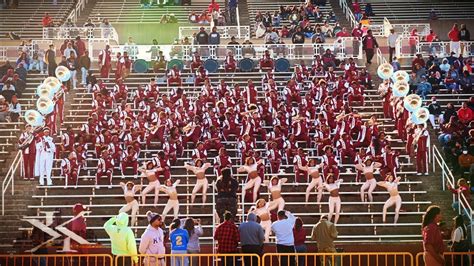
column 431, row 37
column 78, row 226
column 227, row 237
column 463, row 188
column 369, row 44
column 213, row 6
column 413, row 40
column 465, row 114
column 343, row 33
column 47, row 21
column 357, row 34
column 418, row 60
column 299, row 234
column 433, row 245
column 454, row 37
column 80, row 47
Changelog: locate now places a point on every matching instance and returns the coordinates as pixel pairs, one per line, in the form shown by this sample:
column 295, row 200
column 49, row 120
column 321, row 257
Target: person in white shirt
column 283, row 230
column 367, row 168
column 253, row 179
column 199, row 169
column 391, row 184
column 173, row 203
column 45, row 149
column 391, row 42
column 332, row 186
column 152, row 241
column 129, row 190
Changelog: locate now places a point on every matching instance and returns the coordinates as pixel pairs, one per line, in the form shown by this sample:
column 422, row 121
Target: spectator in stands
column 233, row 43
column 23, row 59
column 37, row 61
column 50, row 60
column 433, row 15
column 465, row 114
column 14, row 109
column 299, row 234
column 417, row 61
column 89, row 24
column 84, row 64
column 69, row 50
column 227, row 237
column 194, row 228
column 460, row 241
column 8, row 91
column 4, row 110
column 179, row 239
column 69, row 24
column 4, row 68
column 251, row 238
column 357, row 33
column 121, row 236
column 107, row 28
column 232, row 5
column 433, row 245
column 466, row 81
column 80, row 47
column 318, row 36
column 435, row 113
column 202, row 38
column 454, row 38
column 369, row 10
column 391, row 42
column 283, row 230
column 369, row 43
column 324, row 233
column 423, row 88
column 72, row 66
column 271, row 37
column 343, row 33
column 395, row 64
column 430, row 38
column 329, row 60
column 445, row 66
column 464, row 36
column 357, row 10
column 465, row 161
column 226, row 193
column 47, row 21
column 298, row 39
column 152, row 241
column 276, row 19
column 214, row 37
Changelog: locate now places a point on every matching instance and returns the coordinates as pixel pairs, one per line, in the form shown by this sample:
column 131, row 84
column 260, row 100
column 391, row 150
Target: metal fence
column 86, row 33
column 56, row 260
column 226, row 32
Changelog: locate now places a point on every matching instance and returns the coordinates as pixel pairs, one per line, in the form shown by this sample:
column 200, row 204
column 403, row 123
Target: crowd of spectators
column 213, row 14
column 12, row 85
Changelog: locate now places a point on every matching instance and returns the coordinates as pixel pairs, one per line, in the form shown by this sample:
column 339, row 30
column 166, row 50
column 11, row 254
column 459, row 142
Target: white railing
column 10, row 177
column 342, row 48
column 448, row 179
column 380, row 58
column 226, row 32
column 76, row 12
column 441, row 49
column 346, row 9
column 11, row 53
column 86, row 33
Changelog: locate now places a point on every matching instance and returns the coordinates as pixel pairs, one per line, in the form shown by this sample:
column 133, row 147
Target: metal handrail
column 10, row 177
column 448, row 177
column 76, row 11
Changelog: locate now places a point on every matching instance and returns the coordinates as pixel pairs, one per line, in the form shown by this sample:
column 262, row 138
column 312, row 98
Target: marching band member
column 45, row 149
column 199, row 169
column 332, row 186
column 391, row 184
column 105, row 62
column 129, row 159
column 28, row 152
column 120, row 91
column 274, row 157
column 196, row 63
column 129, row 190
column 300, row 159
column 105, row 168
column 70, row 169
column 314, row 172
column 422, row 141
column 222, row 161
column 274, row 186
column 261, row 210
column 174, row 76
column 170, row 189
column 266, row 62
column 162, row 164
column 253, row 179
column 390, row 162
column 148, row 170
column 230, row 62
column 368, row 168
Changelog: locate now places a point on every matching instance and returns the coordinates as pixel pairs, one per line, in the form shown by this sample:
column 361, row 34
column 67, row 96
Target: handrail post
column 237, row 15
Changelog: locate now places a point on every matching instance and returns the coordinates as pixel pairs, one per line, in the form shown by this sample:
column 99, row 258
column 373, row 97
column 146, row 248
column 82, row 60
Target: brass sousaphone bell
column 412, row 102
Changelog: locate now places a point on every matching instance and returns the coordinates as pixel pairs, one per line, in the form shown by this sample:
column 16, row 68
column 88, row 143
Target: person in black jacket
column 464, row 36
column 226, row 194
column 435, row 113
column 298, row 39
column 369, row 43
column 202, row 37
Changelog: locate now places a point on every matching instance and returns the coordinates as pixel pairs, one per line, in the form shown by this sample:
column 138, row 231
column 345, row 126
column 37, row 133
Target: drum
column 246, row 65
column 176, row 62
column 140, row 66
column 282, row 65
column 211, row 65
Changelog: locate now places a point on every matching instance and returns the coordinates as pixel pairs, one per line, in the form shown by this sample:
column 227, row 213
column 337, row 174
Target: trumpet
column 385, row 71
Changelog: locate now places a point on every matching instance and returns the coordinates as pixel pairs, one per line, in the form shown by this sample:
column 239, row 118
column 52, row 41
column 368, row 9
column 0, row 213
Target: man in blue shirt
column 179, row 239
column 283, row 230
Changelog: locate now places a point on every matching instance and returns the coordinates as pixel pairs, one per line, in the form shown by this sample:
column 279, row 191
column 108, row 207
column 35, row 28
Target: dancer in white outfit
column 316, row 180
column 332, row 186
column 367, row 168
column 274, row 186
column 391, row 184
column 173, row 203
column 129, row 190
column 261, row 210
column 253, row 179
column 45, row 149
column 149, row 171
column 201, row 181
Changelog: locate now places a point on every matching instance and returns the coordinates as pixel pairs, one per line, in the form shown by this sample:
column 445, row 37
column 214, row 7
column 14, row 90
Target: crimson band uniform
column 29, row 156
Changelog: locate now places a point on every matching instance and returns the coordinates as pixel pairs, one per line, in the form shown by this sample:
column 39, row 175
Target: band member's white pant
column 171, row 204
column 152, row 185
column 315, row 183
column 334, row 208
column 133, row 205
column 267, row 227
column 200, row 183
column 369, row 184
column 278, row 204
column 255, row 184
column 393, row 200
column 45, row 167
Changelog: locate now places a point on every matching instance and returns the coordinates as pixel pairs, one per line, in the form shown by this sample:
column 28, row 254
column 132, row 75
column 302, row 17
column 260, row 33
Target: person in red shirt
column 78, row 226
column 299, row 235
column 454, row 36
column 369, row 44
column 433, row 245
column 465, row 114
column 228, row 238
column 47, row 21
column 413, row 40
column 357, row 33
column 343, row 33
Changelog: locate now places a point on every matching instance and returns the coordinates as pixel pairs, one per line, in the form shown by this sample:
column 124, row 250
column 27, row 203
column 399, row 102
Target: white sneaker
column 110, row 186
column 418, row 173
column 97, row 187
column 426, row 174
